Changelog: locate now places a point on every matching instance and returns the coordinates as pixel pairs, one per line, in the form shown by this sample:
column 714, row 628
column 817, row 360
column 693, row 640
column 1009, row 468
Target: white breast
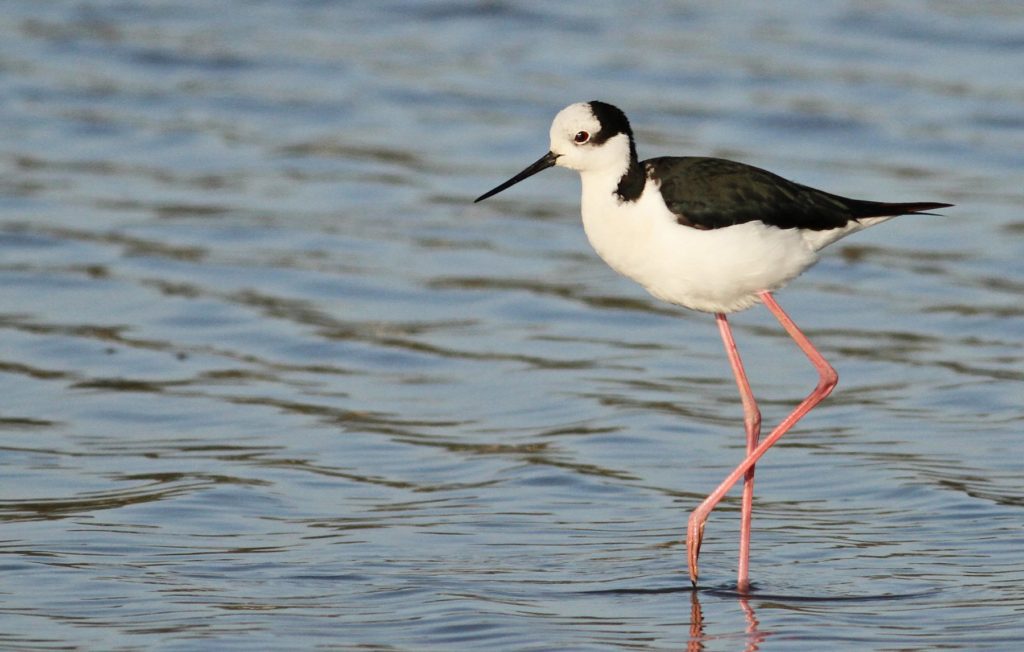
column 718, row 270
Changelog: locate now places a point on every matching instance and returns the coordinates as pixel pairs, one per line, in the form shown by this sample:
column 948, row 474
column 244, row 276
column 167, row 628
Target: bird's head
column 586, row 137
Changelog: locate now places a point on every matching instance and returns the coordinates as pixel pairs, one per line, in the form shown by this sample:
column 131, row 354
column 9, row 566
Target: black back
column 711, row 193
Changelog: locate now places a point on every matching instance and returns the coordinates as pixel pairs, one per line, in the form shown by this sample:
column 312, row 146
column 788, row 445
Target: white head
column 587, row 137
column 591, row 136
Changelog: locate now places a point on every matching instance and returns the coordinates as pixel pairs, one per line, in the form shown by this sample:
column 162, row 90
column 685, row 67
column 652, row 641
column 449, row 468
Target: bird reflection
column 697, row 636
column 696, row 643
column 754, row 633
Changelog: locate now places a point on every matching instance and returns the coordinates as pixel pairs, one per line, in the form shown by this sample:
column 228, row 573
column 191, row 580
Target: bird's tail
column 885, row 209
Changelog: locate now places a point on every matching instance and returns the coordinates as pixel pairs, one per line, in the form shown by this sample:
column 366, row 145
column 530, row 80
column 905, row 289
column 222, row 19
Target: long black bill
column 543, row 163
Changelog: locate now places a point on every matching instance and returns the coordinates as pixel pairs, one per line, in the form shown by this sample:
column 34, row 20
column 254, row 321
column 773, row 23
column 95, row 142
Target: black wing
column 711, row 193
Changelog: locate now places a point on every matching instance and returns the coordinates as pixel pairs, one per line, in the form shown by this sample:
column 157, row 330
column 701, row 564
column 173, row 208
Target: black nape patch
column 613, row 122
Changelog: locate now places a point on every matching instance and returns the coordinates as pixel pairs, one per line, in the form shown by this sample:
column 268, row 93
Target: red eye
column 581, row 137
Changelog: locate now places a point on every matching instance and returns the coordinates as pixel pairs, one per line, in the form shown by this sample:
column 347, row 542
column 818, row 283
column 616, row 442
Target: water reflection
column 754, row 636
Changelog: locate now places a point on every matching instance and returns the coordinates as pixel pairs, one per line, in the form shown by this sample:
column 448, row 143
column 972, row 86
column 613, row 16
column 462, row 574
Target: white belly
column 719, row 270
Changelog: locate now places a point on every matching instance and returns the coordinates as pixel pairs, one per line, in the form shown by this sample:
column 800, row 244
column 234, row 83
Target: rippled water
column 270, row 380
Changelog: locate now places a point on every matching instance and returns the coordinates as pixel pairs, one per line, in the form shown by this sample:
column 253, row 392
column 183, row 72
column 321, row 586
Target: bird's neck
column 622, row 178
column 631, row 183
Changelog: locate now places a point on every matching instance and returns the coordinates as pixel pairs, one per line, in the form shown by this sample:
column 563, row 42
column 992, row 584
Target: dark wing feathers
column 711, row 193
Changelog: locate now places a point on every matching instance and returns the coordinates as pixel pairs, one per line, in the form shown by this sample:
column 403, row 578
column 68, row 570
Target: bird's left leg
column 752, row 424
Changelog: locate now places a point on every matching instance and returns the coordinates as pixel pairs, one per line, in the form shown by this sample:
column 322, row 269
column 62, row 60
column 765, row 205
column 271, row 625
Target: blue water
column 271, row 381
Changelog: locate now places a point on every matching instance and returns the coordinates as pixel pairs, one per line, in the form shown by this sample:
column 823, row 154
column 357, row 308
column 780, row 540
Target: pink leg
column 827, row 379
column 752, row 424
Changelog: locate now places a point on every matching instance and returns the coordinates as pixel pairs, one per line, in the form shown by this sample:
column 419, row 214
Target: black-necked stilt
column 708, row 234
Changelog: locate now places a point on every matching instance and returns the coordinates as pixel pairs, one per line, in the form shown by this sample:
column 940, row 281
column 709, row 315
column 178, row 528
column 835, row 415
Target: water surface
column 271, row 380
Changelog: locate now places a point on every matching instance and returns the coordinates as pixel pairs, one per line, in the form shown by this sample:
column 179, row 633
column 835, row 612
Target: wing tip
column 922, row 208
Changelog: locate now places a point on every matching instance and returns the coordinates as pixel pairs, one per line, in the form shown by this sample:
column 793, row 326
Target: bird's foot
column 694, row 536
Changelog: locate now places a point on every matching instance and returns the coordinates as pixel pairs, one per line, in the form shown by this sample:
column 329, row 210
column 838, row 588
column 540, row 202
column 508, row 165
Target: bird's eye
column 581, row 137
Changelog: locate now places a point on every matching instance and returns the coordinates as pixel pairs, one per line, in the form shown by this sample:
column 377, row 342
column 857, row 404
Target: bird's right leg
column 752, row 425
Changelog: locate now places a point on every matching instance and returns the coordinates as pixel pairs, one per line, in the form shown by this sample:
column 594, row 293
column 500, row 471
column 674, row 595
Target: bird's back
column 712, row 193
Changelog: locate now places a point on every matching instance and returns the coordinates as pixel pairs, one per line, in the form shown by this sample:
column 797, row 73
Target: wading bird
column 708, row 234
